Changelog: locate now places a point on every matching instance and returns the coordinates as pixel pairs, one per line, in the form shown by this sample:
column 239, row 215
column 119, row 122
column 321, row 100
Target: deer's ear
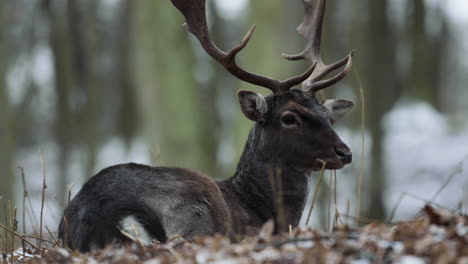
column 253, row 105
column 338, row 108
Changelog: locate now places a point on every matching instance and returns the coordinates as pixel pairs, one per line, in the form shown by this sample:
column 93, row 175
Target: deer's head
column 298, row 128
column 293, row 124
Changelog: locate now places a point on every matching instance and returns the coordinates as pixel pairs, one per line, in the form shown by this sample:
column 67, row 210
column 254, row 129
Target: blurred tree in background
column 76, row 76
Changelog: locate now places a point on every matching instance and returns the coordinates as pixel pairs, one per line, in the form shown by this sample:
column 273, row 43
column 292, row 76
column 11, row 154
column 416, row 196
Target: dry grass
column 44, row 187
column 416, row 236
column 317, row 188
column 363, row 141
column 437, row 236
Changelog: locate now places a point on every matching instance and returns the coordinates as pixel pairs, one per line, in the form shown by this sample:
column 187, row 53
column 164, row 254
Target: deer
column 291, row 137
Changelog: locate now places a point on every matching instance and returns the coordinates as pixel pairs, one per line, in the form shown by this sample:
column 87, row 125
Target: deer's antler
column 195, row 16
column 311, row 30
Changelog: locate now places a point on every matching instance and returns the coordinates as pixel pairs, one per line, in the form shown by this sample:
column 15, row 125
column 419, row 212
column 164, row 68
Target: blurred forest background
column 94, row 83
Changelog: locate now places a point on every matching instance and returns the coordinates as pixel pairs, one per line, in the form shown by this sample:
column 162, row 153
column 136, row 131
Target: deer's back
column 156, row 202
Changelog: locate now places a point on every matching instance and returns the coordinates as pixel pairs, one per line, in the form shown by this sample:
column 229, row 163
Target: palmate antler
column 195, row 16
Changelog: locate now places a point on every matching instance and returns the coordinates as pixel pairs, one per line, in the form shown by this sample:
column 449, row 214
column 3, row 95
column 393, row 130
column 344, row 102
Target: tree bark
column 59, row 41
column 165, row 80
column 427, row 54
column 382, row 90
column 7, row 139
column 128, row 119
column 82, row 20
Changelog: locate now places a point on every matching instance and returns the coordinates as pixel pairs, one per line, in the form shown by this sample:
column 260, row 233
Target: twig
column 1, row 237
column 25, row 194
column 66, row 232
column 70, row 187
column 324, row 164
column 414, row 196
column 137, row 235
column 157, row 156
column 458, row 169
column 5, row 209
column 363, row 129
column 15, row 227
column 32, row 214
column 2, row 241
column 38, row 238
column 348, row 208
column 395, row 207
column 57, row 243
column 53, row 237
column 329, row 200
column 128, row 235
column 20, row 236
column 32, row 217
column 10, row 216
column 44, row 187
column 181, row 238
column 337, row 213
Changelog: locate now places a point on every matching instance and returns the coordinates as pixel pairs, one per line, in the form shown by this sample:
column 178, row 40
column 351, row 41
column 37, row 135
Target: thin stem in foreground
column 44, row 187
column 458, row 169
column 322, row 170
column 25, row 195
column 19, row 235
column 56, row 242
column 329, row 201
column 337, row 213
column 15, row 227
column 363, row 130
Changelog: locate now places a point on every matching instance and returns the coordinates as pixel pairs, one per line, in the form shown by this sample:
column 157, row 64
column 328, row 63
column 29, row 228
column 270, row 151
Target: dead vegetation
column 436, row 236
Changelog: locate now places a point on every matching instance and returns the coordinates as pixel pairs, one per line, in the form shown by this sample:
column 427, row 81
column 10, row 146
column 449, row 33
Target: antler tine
column 311, row 30
column 195, row 17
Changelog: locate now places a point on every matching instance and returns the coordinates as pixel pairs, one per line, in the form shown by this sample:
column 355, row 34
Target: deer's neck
column 249, row 192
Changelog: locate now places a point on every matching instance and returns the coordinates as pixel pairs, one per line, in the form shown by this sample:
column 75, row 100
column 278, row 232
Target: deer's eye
column 290, row 119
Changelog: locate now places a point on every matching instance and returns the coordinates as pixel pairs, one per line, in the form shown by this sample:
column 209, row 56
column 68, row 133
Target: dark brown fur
column 292, row 136
column 174, row 201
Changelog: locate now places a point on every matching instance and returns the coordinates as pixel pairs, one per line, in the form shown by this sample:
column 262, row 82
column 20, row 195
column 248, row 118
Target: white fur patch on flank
column 132, row 227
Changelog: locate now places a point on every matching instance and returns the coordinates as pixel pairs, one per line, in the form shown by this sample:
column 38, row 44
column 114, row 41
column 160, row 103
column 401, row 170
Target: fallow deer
column 292, row 136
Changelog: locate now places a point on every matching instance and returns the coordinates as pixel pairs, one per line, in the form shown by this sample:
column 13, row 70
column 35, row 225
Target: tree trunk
column 128, row 119
column 65, row 120
column 82, row 19
column 165, row 79
column 382, row 90
column 7, row 147
column 427, row 54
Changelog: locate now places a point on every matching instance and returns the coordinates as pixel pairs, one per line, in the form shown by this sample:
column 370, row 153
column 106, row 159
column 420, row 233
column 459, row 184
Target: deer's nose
column 344, row 153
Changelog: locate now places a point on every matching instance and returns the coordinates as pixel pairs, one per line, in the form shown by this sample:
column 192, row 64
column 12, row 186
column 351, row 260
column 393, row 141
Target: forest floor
column 435, row 236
